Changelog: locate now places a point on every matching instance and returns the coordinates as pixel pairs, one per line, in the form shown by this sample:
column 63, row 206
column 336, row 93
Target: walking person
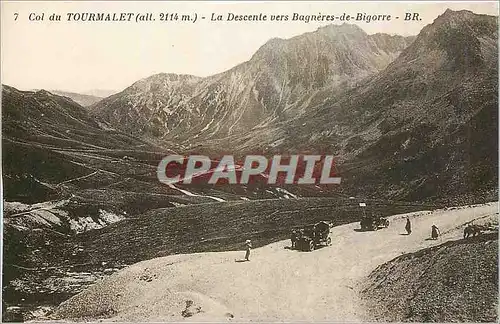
column 435, row 232
column 408, row 226
column 248, row 246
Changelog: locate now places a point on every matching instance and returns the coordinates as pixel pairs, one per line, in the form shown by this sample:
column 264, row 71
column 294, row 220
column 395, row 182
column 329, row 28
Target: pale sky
column 80, row 56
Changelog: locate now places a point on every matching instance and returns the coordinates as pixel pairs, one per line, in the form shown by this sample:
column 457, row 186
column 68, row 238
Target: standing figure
column 435, row 232
column 408, row 226
column 294, row 238
column 248, row 246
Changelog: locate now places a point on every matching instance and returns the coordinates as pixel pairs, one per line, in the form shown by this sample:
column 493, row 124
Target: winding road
column 277, row 284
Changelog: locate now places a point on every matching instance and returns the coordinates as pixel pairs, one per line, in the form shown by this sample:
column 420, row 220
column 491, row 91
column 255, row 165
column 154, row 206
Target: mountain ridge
column 430, row 96
column 269, row 87
column 85, row 99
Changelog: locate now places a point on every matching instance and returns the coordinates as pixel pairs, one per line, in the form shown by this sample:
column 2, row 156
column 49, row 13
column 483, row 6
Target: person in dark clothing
column 408, row 226
column 294, row 238
column 435, row 232
column 248, row 246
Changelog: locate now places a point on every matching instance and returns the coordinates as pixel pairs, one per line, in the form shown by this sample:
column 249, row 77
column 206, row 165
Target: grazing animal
column 473, row 230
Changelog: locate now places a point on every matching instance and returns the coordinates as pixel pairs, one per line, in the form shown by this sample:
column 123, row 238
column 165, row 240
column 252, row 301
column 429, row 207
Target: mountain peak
column 449, row 12
column 344, row 28
column 169, row 77
column 44, row 92
column 456, row 16
column 454, row 29
column 329, row 33
column 164, row 79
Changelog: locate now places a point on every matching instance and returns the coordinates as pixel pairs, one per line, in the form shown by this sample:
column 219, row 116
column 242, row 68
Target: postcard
column 258, row 161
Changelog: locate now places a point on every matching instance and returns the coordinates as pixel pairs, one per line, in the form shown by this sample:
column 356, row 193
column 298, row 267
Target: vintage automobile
column 373, row 223
column 312, row 236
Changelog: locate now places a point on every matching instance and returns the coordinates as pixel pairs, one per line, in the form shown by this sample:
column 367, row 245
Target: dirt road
column 278, row 284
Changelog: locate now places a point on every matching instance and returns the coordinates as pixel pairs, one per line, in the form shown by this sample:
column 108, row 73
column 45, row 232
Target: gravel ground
column 455, row 281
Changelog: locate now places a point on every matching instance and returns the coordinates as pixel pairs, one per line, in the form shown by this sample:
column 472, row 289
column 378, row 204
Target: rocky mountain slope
column 67, row 149
column 426, row 287
column 406, row 121
column 71, row 153
column 426, row 125
column 280, row 82
column 65, row 174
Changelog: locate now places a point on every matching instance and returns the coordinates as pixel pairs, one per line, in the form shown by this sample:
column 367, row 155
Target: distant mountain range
column 86, row 98
column 102, row 93
column 82, row 99
column 385, row 105
column 409, row 118
column 282, row 81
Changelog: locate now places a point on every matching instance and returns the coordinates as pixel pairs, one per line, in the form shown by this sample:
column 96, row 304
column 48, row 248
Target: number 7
column 17, row 15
